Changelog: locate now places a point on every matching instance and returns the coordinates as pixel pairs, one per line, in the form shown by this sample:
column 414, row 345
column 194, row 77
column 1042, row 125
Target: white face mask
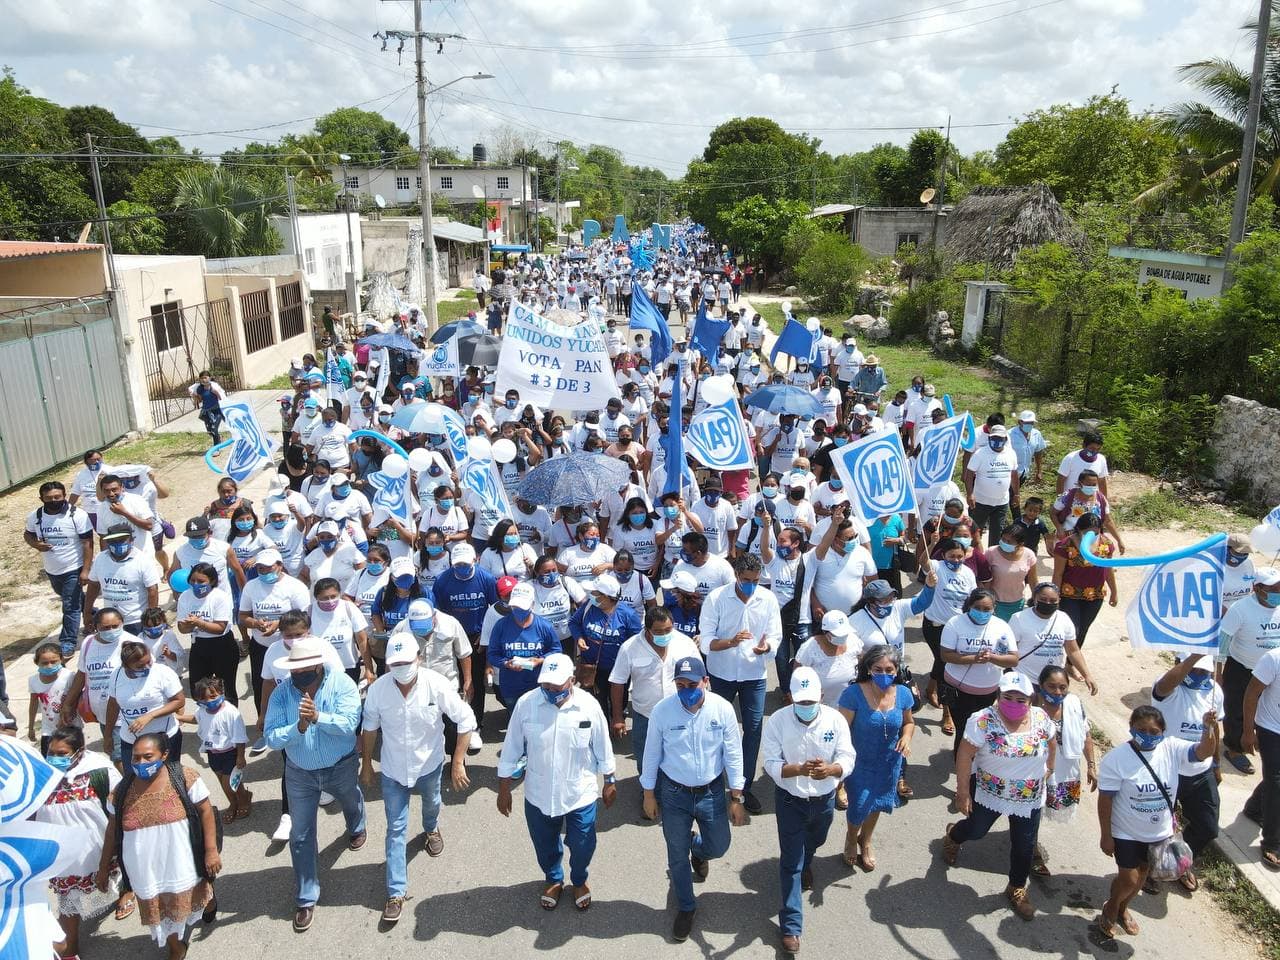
column 403, row 672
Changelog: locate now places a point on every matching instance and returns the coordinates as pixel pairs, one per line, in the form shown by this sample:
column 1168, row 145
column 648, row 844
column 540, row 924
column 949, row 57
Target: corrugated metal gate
column 177, row 343
column 62, row 391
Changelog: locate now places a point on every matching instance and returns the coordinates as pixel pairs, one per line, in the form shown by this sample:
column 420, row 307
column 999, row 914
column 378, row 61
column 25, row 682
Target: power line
column 158, row 215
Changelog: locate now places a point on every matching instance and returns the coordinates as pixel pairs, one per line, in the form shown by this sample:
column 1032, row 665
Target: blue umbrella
column 577, row 479
column 451, row 330
column 421, row 417
column 392, row 341
column 784, row 398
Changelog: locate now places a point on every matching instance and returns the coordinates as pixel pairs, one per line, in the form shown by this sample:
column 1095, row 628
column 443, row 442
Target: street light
column 424, row 171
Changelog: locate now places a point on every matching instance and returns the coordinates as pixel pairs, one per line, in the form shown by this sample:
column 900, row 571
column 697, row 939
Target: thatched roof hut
column 1016, row 217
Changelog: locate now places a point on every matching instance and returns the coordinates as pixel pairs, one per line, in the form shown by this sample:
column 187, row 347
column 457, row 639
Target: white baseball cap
column 556, row 669
column 1027, row 416
column 522, row 597
column 267, row 558
column 680, row 580
column 608, row 585
column 836, row 624
column 420, row 609
column 401, row 648
column 1013, row 681
column 1267, row 576
column 401, row 566
column 463, row 553
column 805, row 685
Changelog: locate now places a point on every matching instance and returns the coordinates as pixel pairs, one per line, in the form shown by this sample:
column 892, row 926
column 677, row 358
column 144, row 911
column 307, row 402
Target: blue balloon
column 178, row 580
column 1086, row 551
column 382, row 439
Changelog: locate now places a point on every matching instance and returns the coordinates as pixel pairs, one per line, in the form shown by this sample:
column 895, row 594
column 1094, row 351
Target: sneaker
column 283, row 829
column 326, row 798
column 259, row 745
column 683, row 926
column 1020, row 902
column 474, row 745
column 302, row 919
column 391, row 912
column 434, row 843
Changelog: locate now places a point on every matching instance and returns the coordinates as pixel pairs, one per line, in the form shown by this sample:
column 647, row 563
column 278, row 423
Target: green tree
column 228, row 213
column 830, row 271
column 114, row 140
column 367, row 137
column 136, row 229
column 758, row 227
column 901, row 178
column 1100, row 151
column 742, row 130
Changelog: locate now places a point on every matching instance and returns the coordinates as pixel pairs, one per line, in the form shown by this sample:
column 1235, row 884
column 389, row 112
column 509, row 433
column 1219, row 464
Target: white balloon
column 394, row 465
column 419, row 460
column 717, row 390
column 478, row 448
column 786, row 306
column 504, row 451
column 1265, row 538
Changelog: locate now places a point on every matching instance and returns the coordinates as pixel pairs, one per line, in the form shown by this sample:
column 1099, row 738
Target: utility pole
column 1244, row 181
column 117, row 308
column 294, row 232
column 942, row 186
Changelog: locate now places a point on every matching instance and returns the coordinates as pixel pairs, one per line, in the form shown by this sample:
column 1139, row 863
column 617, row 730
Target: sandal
column 229, row 815
column 948, row 727
column 1190, row 882
column 866, row 859
column 242, row 809
column 1239, row 761
column 550, row 897
column 904, row 789
column 1271, row 859
column 851, row 854
column 210, row 911
column 1128, row 924
column 582, row 897
column 950, row 849
column 1040, row 863
column 1107, row 924
column 124, row 909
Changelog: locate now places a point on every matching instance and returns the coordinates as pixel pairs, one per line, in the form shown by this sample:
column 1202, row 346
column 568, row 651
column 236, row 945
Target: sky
column 649, row 77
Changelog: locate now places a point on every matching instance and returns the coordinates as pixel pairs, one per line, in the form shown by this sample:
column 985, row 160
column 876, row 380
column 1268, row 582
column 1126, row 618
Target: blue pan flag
column 646, row 316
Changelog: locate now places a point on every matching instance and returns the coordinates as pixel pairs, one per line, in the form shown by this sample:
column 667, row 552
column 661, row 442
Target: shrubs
column 829, row 271
column 1158, row 435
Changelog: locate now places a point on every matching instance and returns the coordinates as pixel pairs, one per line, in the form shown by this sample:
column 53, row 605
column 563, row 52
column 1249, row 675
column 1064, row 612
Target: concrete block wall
column 1246, row 447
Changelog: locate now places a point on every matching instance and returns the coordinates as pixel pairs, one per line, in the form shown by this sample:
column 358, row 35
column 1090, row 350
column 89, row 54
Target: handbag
column 905, row 679
column 1170, row 858
column 905, row 559
column 585, row 673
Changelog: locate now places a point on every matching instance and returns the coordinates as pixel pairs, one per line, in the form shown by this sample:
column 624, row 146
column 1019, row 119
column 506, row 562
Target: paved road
column 480, row 898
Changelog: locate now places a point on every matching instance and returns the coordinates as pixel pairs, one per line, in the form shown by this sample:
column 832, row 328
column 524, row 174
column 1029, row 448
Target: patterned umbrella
column 575, row 480
column 784, row 398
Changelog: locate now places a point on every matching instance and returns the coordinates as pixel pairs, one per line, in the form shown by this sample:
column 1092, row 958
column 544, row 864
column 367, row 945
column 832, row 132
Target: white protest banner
column 441, row 360
column 717, row 438
column 939, row 445
column 1178, row 607
column 554, row 366
column 874, row 471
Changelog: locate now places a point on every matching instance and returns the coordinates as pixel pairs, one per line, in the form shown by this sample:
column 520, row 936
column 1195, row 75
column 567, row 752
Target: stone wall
column 1246, row 447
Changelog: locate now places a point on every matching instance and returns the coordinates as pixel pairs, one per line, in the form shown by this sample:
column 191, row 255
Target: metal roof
column 458, row 232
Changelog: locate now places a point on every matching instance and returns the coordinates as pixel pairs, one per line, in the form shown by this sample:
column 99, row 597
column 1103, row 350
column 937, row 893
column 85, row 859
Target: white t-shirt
column 835, row 673
column 267, row 601
column 642, row 542
column 330, row 443
column 780, row 576
column 715, row 572
column 364, row 586
column 1183, row 712
column 290, row 542
column 534, row 527
column 65, row 532
column 341, row 564
column 1073, row 465
column 85, row 487
column 837, row 578
column 652, row 678
column 339, row 628
column 1237, row 583
column 214, row 605
column 954, row 587
column 99, row 661
column 1249, row 630
column 137, row 507
column 1268, row 672
column 991, row 473
column 124, row 583
column 1138, row 810
column 579, row 563
column 50, row 695
column 556, row 604
column 518, row 563
column 964, row 636
column 136, row 696
column 220, row 731
column 1041, row 642
column 719, row 523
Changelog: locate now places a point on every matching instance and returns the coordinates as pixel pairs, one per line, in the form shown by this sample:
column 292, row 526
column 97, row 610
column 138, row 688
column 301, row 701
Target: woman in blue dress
column 879, row 715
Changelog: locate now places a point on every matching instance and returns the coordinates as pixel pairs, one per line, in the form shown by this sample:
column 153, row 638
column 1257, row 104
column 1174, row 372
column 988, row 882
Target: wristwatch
column 609, row 778
column 735, row 798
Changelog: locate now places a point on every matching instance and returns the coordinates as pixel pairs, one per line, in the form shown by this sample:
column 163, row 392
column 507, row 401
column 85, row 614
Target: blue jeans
column 681, row 809
column 1022, row 837
column 639, row 733
column 395, row 800
column 303, row 788
column 579, row 830
column 67, row 587
column 750, row 697
column 802, row 829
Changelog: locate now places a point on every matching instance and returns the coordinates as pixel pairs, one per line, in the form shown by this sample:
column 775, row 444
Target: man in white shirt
column 63, row 536
column 647, row 662
column 562, row 732
column 991, row 479
column 117, row 505
column 408, row 704
column 1088, row 457
column 741, row 629
column 717, row 515
column 807, row 753
column 124, row 577
column 1248, row 632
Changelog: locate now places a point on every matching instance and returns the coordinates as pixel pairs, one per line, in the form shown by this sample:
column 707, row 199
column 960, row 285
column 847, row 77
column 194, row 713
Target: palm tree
column 1214, row 132
column 309, row 159
column 228, row 214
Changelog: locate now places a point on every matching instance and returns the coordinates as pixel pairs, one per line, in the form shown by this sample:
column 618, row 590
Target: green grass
column 457, row 307
column 1242, row 901
column 1162, row 507
column 278, row 382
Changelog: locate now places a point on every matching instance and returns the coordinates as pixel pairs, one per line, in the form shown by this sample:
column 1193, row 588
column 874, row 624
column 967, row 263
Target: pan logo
column 251, row 445
column 23, row 775
column 457, row 435
column 878, row 470
column 1180, row 600
column 719, row 439
column 938, row 455
column 440, row 355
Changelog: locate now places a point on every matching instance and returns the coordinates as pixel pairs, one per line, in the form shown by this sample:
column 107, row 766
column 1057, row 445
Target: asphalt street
column 479, row 899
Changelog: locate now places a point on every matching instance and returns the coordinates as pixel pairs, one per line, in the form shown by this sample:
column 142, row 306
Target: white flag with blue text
column 481, row 477
column 874, row 471
column 939, row 445
column 1179, row 605
column 252, row 447
column 717, row 438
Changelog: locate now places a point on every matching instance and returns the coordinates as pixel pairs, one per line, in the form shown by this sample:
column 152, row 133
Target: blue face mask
column 712, row 499
column 849, row 546
column 213, row 704
column 146, row 771
column 1008, row 547
column 271, row 576
column 840, row 442
column 95, row 467
column 549, row 579
column 1053, row 699
column 996, row 444
column 511, row 540
column 63, row 763
column 671, row 512
column 244, row 526
column 883, row 680
column 119, row 550
column 1197, row 680
column 421, row 628
column 280, row 524
column 556, row 697
column 590, row 543
column 110, row 634
column 837, row 484
column 1235, row 559
column 638, row 518
column 151, row 633
column 785, row 552
column 50, row 671
column 446, row 505
column 980, row 617
column 806, row 712
column 1089, row 490
column 342, row 492
column 746, row 588
column 404, row 581
column 230, row 498
column 434, row 549
column 1146, row 741
column 464, row 570
column 375, row 568
column 690, row 697
column 661, row 639
column 201, row 589
column 880, row 610
column 328, row 546
column 953, row 565
column 198, row 542
column 137, row 674
column 965, row 542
